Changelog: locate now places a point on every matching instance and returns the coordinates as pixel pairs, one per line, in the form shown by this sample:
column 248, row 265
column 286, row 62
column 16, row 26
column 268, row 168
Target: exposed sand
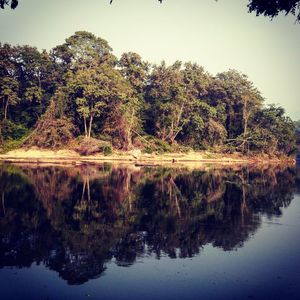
column 71, row 157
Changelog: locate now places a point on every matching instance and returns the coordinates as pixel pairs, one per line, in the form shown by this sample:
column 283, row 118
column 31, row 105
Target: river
column 129, row 232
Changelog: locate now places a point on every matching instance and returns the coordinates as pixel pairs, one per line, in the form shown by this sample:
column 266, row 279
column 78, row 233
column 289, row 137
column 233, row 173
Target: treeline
column 80, row 88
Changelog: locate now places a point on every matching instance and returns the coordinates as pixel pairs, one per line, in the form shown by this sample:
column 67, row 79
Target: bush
column 89, row 146
column 107, row 150
column 52, row 131
column 52, row 134
column 11, row 131
column 152, row 144
column 11, row 145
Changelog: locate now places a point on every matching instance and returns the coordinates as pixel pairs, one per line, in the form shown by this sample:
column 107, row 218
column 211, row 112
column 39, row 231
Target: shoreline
column 63, row 157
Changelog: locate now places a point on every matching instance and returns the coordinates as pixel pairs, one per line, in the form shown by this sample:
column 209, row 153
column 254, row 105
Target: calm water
column 108, row 232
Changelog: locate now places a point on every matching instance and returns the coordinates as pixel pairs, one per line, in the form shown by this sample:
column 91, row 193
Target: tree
column 136, row 73
column 241, row 99
column 272, row 131
column 8, row 93
column 101, row 91
column 82, row 49
column 123, row 113
column 204, row 127
column 36, row 77
column 135, row 70
column 167, row 100
column 123, row 120
column 79, row 62
column 88, row 86
column 273, row 8
column 7, row 64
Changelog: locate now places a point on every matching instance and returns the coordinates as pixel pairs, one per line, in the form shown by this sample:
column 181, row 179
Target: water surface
column 128, row 232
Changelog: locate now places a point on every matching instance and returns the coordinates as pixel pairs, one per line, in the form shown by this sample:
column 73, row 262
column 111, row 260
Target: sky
column 218, row 35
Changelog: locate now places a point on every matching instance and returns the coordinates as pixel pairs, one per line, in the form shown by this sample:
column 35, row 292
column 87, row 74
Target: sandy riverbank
column 135, row 156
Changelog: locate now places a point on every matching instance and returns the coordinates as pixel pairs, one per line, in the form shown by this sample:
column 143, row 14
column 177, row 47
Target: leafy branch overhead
column 12, row 3
column 260, row 7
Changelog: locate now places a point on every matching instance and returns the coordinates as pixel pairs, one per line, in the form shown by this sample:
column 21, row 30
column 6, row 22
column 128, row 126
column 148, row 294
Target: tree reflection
column 76, row 219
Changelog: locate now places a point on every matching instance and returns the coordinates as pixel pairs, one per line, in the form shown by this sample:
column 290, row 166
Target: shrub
column 107, row 150
column 51, row 134
column 152, row 144
column 11, row 145
column 11, row 131
column 89, row 146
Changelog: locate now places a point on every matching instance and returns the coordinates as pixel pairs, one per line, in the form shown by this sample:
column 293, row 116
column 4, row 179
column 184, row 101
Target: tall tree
column 204, row 127
column 101, row 91
column 242, row 100
column 135, row 70
column 272, row 131
column 89, row 89
column 8, row 93
column 136, row 73
column 82, row 49
column 168, row 102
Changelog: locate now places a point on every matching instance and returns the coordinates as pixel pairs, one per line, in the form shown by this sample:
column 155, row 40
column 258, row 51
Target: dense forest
column 81, row 96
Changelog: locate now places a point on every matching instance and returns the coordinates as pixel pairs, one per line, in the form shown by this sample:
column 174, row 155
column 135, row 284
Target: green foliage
column 241, row 100
column 10, row 145
column 155, row 145
column 13, row 131
column 107, row 149
column 82, row 49
column 9, row 88
column 80, row 87
column 89, row 146
column 168, row 103
column 279, row 128
column 12, row 135
column 135, row 70
column 51, row 132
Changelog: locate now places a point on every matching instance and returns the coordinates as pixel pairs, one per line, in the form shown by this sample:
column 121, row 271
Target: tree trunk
column 128, row 141
column 90, row 126
column 5, row 109
column 245, row 119
column 1, row 136
column 85, row 127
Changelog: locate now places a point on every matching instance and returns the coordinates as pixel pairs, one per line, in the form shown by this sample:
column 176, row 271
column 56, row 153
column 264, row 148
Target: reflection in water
column 75, row 219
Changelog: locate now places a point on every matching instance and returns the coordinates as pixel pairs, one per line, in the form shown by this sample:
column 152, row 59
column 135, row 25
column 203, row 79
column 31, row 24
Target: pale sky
column 217, row 35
